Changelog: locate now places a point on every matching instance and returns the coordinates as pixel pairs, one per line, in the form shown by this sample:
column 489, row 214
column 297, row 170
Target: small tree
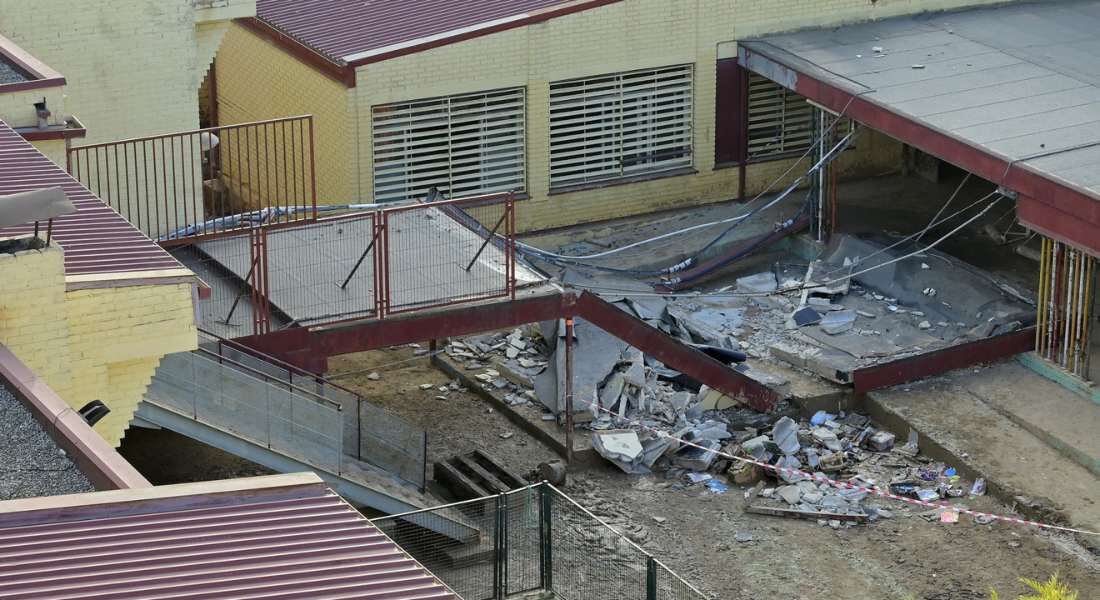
column 1051, row 589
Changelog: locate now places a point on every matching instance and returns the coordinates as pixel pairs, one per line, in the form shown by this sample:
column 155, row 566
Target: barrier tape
column 875, row 490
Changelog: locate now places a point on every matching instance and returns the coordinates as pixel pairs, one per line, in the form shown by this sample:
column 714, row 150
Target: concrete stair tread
column 1030, row 399
column 951, row 410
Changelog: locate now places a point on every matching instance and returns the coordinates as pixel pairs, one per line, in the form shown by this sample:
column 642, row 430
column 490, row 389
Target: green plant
column 1051, row 589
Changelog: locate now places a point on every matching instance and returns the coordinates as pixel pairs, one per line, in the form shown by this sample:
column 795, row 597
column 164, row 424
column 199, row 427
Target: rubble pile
column 508, row 362
column 847, row 448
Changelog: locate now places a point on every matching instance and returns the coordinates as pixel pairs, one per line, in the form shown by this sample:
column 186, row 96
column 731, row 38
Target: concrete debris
column 846, row 447
column 759, row 283
column 837, row 322
column 621, row 448
column 374, row 377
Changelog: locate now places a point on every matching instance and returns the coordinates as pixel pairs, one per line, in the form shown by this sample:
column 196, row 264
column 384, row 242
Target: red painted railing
column 364, row 265
column 181, row 186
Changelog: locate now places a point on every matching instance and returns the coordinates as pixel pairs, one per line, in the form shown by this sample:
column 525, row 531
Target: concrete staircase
column 240, row 404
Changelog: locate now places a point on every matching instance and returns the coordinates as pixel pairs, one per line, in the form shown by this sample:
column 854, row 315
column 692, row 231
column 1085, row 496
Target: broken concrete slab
column 837, row 322
column 785, row 435
column 764, row 283
column 622, row 448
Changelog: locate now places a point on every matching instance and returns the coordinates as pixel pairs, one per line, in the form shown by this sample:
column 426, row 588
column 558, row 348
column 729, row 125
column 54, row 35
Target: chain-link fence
column 532, row 539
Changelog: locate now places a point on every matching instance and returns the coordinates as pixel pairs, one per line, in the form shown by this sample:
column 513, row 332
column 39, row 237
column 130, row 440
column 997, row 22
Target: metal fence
column 533, row 539
column 206, row 181
column 356, row 266
column 252, row 405
column 370, row 434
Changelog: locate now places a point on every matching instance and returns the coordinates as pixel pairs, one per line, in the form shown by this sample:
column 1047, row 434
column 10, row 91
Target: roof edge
column 339, row 72
column 99, row 462
column 474, row 31
column 44, row 75
column 174, row 497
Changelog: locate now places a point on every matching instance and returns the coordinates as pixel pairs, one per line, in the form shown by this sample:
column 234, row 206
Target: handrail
column 213, row 129
column 278, row 362
column 268, row 378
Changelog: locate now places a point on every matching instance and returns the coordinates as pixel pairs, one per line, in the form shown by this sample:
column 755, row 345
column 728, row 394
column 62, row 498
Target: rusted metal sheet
column 941, row 361
column 673, row 353
column 285, row 536
column 96, row 239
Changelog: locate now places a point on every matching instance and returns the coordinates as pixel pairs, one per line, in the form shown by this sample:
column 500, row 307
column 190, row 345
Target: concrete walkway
column 1033, row 440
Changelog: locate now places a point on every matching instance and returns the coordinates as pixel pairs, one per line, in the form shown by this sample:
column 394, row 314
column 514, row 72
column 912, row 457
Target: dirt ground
column 900, row 558
column 460, row 424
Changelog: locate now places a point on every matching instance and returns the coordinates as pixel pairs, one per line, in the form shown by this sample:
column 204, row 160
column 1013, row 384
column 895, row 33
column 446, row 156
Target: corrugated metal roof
column 340, row 29
column 285, row 536
column 96, row 239
column 1019, row 81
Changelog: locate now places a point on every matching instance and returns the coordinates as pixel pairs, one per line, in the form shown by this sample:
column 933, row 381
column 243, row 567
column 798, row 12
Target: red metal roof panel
column 339, row 28
column 96, row 239
column 298, row 541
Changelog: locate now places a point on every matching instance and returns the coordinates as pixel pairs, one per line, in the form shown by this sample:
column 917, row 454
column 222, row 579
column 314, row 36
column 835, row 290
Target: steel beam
column 941, row 361
column 1076, row 219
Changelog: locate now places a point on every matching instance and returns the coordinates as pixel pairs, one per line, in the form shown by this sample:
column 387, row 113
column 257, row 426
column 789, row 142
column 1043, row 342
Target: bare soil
column 905, row 557
column 460, row 424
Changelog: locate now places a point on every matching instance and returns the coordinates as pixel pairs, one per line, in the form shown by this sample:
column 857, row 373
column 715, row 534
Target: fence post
column 650, row 578
column 546, row 556
column 502, row 556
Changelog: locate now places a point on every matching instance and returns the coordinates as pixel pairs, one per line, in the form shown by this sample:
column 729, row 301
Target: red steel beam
column 1076, row 215
column 309, row 348
column 674, row 353
column 941, row 361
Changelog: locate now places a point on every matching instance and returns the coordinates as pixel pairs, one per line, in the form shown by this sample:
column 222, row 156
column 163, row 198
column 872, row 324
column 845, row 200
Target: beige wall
column 258, row 81
column 132, row 67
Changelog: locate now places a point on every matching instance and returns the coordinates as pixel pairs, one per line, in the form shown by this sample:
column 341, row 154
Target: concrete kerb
column 893, row 421
column 547, row 432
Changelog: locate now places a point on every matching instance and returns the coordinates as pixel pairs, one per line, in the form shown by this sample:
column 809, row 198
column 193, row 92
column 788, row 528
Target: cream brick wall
column 93, row 344
column 17, row 108
column 760, row 17
column 257, row 81
column 132, row 66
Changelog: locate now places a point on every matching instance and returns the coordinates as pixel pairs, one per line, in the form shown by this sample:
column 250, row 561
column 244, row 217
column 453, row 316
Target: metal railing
column 252, row 405
column 532, row 539
column 357, row 266
column 370, row 433
column 180, row 186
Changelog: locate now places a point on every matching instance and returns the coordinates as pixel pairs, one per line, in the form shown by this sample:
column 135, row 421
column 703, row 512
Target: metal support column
column 569, row 390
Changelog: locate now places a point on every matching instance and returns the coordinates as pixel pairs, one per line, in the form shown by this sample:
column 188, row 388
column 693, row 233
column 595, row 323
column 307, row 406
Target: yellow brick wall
column 633, row 34
column 93, row 344
column 53, row 150
column 258, row 81
column 132, row 66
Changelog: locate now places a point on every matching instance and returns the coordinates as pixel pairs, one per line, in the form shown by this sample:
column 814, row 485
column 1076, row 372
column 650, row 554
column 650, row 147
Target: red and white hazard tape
column 875, row 490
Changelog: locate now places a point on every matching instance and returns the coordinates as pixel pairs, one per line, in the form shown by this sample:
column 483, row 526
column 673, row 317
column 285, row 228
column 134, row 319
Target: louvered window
column 780, row 121
column 620, row 125
column 464, row 145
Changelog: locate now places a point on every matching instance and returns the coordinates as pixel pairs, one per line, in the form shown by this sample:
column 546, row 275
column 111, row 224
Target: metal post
column 488, row 238
column 498, row 589
column 362, row 256
column 503, row 529
column 650, row 578
column 569, row 390
column 546, row 557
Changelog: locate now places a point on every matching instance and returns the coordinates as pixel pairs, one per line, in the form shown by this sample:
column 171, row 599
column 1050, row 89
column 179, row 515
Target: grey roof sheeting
column 31, row 463
column 1019, row 81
